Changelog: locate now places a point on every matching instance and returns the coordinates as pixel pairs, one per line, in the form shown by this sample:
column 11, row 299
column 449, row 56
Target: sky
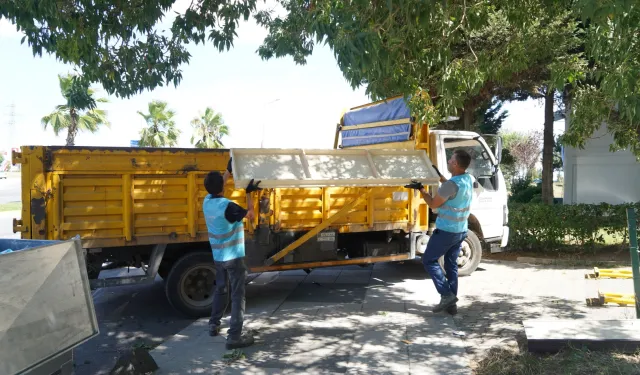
column 297, row 106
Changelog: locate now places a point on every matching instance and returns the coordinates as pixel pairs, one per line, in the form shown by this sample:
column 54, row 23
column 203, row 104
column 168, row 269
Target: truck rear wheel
column 470, row 255
column 191, row 283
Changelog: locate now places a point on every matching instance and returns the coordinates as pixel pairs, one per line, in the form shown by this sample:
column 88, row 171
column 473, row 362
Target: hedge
column 555, row 227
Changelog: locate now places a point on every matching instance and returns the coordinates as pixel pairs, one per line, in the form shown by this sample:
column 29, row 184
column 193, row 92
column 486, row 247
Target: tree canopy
column 490, row 116
column 444, row 54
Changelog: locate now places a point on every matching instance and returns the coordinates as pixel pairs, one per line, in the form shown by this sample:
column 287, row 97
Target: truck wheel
column 469, row 257
column 190, row 284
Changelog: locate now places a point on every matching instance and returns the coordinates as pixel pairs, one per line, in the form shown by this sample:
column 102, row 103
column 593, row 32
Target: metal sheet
column 45, row 305
column 281, row 168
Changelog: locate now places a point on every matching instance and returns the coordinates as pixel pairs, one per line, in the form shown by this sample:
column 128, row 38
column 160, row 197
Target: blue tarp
column 395, row 109
column 10, row 245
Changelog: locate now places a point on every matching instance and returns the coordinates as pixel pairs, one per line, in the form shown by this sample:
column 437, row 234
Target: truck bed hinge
column 18, row 226
column 16, row 157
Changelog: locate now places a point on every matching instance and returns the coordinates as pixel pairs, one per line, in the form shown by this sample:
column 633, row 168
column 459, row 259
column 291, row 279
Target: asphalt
column 6, row 224
column 10, row 188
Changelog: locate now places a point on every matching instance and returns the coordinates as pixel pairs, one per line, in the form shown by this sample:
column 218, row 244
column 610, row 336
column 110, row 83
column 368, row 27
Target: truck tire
column 190, row 284
column 470, row 255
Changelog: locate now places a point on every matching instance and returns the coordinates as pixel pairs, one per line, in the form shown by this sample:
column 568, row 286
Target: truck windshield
column 481, row 166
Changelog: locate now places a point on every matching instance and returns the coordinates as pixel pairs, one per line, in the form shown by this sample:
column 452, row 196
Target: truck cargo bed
column 114, row 197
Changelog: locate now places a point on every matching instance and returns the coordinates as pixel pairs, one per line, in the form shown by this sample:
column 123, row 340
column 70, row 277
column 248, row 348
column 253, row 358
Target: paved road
column 6, row 224
column 9, row 192
column 10, row 188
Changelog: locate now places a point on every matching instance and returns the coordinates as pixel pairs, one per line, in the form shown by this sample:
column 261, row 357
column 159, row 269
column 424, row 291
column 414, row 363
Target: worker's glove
column 437, row 171
column 253, row 187
column 229, row 166
column 414, row 185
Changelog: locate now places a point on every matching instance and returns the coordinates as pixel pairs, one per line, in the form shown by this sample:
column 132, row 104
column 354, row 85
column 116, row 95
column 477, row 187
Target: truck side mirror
column 498, row 150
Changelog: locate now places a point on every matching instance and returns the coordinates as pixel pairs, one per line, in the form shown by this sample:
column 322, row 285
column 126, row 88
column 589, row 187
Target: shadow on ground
column 128, row 317
column 378, row 319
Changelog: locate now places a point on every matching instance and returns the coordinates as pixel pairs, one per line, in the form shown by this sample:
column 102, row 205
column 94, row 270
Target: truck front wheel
column 469, row 257
column 191, row 283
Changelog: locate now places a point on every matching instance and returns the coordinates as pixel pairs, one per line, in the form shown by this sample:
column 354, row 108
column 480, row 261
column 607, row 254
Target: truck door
column 487, row 205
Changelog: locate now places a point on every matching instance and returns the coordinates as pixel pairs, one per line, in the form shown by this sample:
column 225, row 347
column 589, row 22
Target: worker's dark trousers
column 236, row 271
column 447, row 244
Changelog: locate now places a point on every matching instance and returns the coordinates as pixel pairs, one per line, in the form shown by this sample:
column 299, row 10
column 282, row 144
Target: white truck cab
column 488, row 220
column 489, row 205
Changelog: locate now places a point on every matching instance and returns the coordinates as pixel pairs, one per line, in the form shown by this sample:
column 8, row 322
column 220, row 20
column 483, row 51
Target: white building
column 596, row 175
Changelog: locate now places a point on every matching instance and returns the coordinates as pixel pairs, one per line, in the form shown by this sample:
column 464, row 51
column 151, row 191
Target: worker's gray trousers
column 236, row 271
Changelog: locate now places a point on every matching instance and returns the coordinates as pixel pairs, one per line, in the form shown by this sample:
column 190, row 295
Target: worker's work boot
column 445, row 302
column 240, row 342
column 214, row 330
column 452, row 310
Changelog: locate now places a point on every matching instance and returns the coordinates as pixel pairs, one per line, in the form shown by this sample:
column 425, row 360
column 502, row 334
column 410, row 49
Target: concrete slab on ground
column 553, row 335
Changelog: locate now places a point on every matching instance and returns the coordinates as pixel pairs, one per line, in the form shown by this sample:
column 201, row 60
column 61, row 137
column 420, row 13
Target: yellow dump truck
column 141, row 207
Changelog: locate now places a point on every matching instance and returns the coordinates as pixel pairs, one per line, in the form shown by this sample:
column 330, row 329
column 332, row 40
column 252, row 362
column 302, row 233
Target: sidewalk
column 374, row 320
column 355, row 320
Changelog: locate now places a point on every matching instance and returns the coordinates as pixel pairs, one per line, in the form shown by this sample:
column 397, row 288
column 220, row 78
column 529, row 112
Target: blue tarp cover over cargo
column 391, row 110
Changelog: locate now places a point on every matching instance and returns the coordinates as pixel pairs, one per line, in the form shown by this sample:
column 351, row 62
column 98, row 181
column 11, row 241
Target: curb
column 577, row 262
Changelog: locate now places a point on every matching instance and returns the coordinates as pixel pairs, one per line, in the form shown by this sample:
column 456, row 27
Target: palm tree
column 208, row 130
column 161, row 128
column 79, row 113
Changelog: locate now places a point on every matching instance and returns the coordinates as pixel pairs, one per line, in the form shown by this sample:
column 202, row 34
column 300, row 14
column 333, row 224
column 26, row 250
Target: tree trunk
column 548, row 144
column 73, row 128
column 467, row 117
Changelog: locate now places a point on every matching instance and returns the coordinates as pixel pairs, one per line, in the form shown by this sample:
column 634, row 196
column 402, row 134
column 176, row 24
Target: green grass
column 13, row 206
column 572, row 361
column 617, row 238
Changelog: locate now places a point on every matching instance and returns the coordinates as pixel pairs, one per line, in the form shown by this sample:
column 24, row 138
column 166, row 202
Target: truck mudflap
column 505, row 236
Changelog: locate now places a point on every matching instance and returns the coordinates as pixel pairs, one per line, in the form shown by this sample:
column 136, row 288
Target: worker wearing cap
column 226, row 237
column 453, row 201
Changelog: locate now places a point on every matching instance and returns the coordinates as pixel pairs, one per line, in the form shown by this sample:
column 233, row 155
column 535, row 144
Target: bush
column 554, row 227
column 523, row 192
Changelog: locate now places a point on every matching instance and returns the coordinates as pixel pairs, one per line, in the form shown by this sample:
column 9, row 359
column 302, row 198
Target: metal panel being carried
column 281, row 168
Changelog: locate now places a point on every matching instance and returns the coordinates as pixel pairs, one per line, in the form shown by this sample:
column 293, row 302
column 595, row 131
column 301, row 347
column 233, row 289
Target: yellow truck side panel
column 135, row 196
